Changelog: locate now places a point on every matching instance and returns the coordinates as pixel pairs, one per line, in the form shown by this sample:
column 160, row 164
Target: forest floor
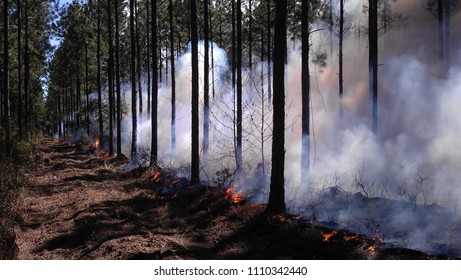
column 81, row 204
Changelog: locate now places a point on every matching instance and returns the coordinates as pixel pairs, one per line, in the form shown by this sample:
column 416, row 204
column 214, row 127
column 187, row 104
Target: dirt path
column 66, row 192
column 80, row 206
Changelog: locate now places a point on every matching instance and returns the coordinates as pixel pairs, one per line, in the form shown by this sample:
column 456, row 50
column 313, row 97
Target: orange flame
column 156, row 177
column 327, row 236
column 372, row 248
column 175, row 182
column 349, row 238
column 282, row 218
column 234, row 197
column 96, row 144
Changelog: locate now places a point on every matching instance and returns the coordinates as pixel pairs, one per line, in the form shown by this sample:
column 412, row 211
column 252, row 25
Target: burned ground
column 80, row 206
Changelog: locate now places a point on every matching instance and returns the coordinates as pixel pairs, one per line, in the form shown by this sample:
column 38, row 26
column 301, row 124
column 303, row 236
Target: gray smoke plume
column 401, row 184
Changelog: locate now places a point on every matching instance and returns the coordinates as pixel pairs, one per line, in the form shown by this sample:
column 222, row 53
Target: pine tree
column 276, row 202
column 195, row 160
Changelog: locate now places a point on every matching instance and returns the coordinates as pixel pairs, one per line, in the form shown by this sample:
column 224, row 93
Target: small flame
column 376, row 236
column 327, row 236
column 175, row 181
column 234, row 197
column 372, row 248
column 350, row 238
column 96, row 144
column 156, row 178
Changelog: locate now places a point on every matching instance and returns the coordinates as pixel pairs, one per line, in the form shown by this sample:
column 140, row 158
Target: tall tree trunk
column 117, row 79
column 154, row 117
column 87, row 92
column 78, row 96
column 160, row 64
column 148, row 57
column 195, row 160
column 20, row 128
column 276, row 202
column 340, row 57
column 110, row 79
column 234, row 59
column 6, row 84
column 234, row 79
column 138, row 55
column 269, row 52
column 206, row 82
column 213, row 91
column 173, row 81
column 373, row 61
column 98, row 75
column 250, row 37
column 134, row 133
column 27, row 101
column 305, row 88
column 239, row 86
column 263, row 109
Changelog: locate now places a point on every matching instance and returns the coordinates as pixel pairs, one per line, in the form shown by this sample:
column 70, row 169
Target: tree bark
column 117, row 79
column 206, row 82
column 340, row 58
column 195, row 160
column 138, row 55
column 20, row 128
column 276, row 202
column 134, row 123
column 28, row 99
column 239, row 87
column 98, row 75
column 269, row 53
column 173, row 82
column 148, row 59
column 87, row 92
column 154, row 115
column 305, row 88
column 373, row 61
column 6, row 84
column 110, row 79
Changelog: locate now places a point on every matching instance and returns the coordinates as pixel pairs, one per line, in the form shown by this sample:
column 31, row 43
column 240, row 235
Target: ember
column 372, row 248
column 176, row 181
column 234, row 197
column 96, row 144
column 156, row 178
column 327, row 236
column 350, row 238
column 375, row 236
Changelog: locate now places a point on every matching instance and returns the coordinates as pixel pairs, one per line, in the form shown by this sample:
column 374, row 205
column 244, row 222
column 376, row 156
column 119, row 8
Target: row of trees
column 105, row 44
column 25, row 27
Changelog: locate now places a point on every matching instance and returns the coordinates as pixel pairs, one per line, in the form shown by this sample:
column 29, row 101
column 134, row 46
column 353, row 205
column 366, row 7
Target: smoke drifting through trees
column 418, row 126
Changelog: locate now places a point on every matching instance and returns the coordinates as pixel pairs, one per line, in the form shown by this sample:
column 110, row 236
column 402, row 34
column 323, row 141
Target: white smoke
column 415, row 157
